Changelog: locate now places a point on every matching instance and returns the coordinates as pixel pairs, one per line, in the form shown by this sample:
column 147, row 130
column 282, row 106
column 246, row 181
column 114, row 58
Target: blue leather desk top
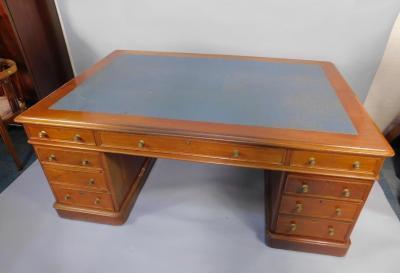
column 266, row 94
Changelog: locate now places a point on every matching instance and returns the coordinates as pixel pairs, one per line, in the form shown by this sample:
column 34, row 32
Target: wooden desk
column 98, row 135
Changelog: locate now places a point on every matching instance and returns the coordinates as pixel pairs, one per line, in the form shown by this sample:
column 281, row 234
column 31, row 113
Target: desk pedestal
column 312, row 213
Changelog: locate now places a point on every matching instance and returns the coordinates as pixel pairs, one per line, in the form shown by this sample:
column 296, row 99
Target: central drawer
column 175, row 145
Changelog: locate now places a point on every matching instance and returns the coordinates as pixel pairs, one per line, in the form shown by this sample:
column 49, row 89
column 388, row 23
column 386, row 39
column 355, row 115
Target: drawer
column 350, row 163
column 69, row 157
column 71, row 135
column 86, row 179
column 316, row 207
column 325, row 187
column 81, row 198
column 175, row 145
column 312, row 227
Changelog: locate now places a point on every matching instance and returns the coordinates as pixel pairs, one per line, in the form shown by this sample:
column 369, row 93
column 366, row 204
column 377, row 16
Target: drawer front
column 69, row 157
column 315, row 228
column 175, row 145
column 81, row 198
column 349, row 163
column 316, row 207
column 85, row 179
column 71, row 135
column 304, row 185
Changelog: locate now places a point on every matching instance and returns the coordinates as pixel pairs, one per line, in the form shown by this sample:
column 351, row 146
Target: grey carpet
column 8, row 170
column 390, row 184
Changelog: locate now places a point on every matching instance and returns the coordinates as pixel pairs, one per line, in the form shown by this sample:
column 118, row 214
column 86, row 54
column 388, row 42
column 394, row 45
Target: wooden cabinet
column 32, row 36
column 306, row 209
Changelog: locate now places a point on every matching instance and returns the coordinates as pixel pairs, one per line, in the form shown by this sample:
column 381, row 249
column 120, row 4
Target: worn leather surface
column 267, row 94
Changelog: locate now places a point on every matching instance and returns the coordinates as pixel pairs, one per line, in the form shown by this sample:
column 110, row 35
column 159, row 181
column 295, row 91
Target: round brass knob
column 141, row 143
column 346, row 192
column 67, row 197
column 43, row 134
column 236, row 153
column 293, row 226
column 97, row 201
column 299, row 207
column 304, row 188
column 91, row 181
column 85, row 162
column 77, row 138
column 331, row 231
column 52, row 157
column 356, row 165
column 338, row 211
column 311, row 161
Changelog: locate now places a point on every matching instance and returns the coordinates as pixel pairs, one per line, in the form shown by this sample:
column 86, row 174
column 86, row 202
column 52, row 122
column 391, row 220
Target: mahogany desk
column 98, row 135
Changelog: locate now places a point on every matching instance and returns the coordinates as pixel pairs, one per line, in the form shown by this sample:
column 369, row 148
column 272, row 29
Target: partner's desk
column 97, row 136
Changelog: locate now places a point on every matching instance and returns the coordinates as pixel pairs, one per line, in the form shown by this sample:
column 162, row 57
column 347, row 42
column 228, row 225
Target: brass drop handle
column 346, row 192
column 67, row 197
column 331, row 231
column 236, row 153
column 52, row 157
column 97, row 201
column 91, row 181
column 141, row 143
column 304, row 188
column 85, row 162
column 299, row 207
column 43, row 134
column 312, row 161
column 338, row 211
column 356, row 165
column 293, row 226
column 77, row 138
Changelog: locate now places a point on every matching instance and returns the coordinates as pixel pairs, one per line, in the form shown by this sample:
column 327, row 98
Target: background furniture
column 11, row 103
column 297, row 120
column 31, row 35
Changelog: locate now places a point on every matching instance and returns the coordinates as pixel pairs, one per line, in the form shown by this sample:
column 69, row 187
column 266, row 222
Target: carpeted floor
column 8, row 170
column 189, row 217
column 390, row 184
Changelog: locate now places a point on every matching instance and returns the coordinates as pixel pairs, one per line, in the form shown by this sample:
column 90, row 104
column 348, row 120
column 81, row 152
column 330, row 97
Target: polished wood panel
column 85, row 179
column 305, row 244
column 122, row 172
column 69, row 157
column 82, row 198
column 318, row 207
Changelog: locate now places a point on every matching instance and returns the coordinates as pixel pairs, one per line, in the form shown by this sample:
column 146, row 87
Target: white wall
column 383, row 100
column 350, row 33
